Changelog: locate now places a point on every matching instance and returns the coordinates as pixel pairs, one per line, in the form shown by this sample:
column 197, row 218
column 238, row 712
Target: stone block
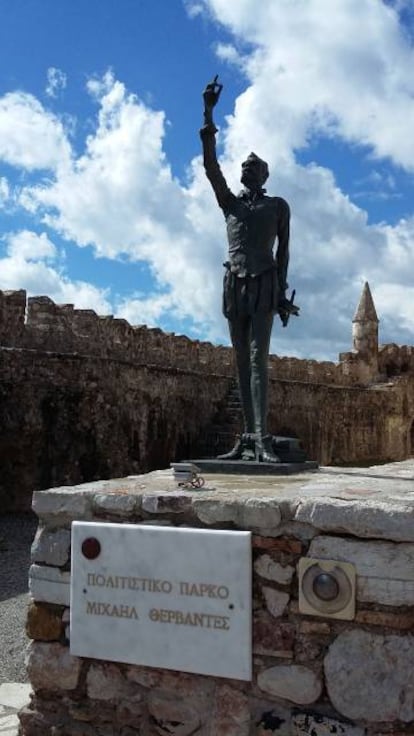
column 282, row 544
column 169, row 715
column 107, row 682
column 369, row 676
column 180, row 683
column 177, row 502
column 362, row 518
column 50, row 666
column 84, row 729
column 314, row 628
column 272, row 638
column 51, row 547
column 49, row 584
column 130, row 712
column 117, row 504
column 62, row 505
column 386, row 592
column 301, row 532
column 394, row 732
column 253, row 513
column 44, row 622
column 310, row 648
column 231, row 714
column 385, row 570
column 267, row 568
column 276, row 601
column 387, row 619
column 83, row 712
column 35, row 723
column 292, row 682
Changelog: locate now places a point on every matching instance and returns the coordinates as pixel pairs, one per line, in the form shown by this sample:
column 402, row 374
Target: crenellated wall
column 85, row 397
column 40, row 324
column 44, row 325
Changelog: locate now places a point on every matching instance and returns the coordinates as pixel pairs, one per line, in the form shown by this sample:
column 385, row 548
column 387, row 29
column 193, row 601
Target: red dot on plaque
column 91, row 548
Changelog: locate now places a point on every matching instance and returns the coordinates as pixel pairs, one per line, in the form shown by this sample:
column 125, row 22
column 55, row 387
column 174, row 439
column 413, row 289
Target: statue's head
column 254, row 171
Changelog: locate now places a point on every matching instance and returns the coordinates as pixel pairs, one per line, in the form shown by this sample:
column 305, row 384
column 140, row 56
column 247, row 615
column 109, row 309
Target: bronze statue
column 254, row 281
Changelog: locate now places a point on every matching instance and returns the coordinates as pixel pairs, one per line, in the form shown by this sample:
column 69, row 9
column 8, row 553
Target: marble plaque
column 179, row 599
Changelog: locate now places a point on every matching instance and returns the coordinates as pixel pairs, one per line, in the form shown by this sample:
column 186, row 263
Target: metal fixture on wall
column 327, row 588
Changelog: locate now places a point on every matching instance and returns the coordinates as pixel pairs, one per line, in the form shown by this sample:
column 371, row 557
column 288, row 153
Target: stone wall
column 345, row 425
column 313, row 675
column 71, row 418
column 84, row 397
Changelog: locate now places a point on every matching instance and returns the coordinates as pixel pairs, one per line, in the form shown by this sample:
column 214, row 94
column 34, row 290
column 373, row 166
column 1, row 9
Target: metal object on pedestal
column 186, row 475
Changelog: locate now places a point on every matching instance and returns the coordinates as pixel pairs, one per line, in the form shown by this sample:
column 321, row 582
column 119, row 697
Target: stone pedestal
column 312, row 674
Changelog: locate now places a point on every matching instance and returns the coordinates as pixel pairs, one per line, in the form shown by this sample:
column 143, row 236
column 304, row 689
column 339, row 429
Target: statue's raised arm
column 208, row 132
column 211, row 96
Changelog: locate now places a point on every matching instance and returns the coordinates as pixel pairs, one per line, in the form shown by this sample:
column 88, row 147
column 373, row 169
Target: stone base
column 245, row 467
column 313, row 675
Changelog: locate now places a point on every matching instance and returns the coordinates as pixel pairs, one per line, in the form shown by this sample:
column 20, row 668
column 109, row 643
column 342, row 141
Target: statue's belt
column 242, row 274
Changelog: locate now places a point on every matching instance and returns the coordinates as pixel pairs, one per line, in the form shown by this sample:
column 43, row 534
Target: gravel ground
column 16, row 534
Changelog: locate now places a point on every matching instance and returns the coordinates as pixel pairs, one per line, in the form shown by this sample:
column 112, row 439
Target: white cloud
column 344, row 71
column 228, row 52
column 56, row 81
column 30, row 137
column 194, row 8
column 30, row 246
column 145, row 310
column 34, row 263
column 4, row 191
column 396, row 301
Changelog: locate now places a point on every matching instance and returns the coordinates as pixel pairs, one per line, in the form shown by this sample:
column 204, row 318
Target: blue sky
column 103, row 200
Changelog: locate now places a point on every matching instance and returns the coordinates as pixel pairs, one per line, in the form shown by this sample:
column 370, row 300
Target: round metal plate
column 327, row 606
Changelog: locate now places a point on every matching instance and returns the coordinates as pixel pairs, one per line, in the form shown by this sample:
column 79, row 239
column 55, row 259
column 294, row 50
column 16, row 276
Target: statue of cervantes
column 254, row 280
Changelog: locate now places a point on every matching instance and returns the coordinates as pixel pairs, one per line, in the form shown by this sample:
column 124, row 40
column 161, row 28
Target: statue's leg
column 261, row 330
column 240, row 333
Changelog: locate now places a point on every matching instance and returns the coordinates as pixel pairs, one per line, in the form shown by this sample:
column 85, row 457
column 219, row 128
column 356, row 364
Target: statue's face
column 251, row 174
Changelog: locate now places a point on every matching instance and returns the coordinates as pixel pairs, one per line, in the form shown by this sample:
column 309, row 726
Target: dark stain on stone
column 269, row 721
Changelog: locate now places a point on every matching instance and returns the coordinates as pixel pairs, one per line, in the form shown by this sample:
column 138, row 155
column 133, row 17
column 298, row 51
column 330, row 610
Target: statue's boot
column 264, row 450
column 244, row 449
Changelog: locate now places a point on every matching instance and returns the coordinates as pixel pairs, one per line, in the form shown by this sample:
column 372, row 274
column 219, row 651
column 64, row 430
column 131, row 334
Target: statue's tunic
column 254, row 280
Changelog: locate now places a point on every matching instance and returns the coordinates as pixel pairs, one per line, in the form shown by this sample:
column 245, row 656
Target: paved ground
column 16, row 534
column 13, row 696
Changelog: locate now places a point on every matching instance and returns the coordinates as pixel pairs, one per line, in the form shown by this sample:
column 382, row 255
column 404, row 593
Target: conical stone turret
column 366, row 311
column 365, row 330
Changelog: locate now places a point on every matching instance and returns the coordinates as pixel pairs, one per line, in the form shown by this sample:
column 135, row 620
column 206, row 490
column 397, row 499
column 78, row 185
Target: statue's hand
column 286, row 308
column 212, row 93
